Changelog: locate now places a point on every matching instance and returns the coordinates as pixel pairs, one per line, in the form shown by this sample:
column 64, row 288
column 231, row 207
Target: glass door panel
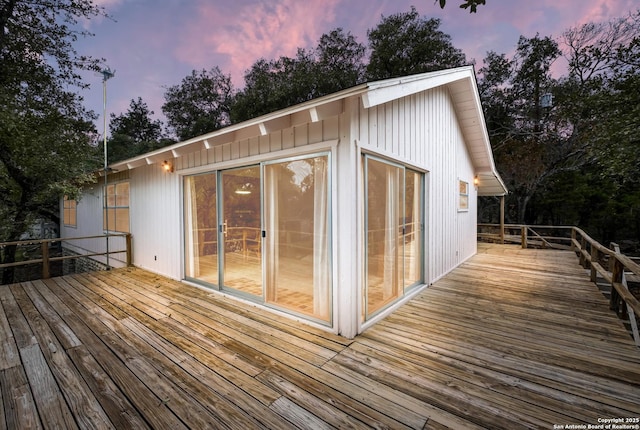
column 384, row 183
column 201, row 228
column 239, row 228
column 297, row 236
column 412, row 233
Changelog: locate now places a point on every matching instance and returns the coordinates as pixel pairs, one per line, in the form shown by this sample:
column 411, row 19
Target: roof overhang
column 313, row 111
column 462, row 86
column 460, row 82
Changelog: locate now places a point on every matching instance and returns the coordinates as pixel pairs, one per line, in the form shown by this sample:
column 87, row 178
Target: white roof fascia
column 263, row 124
column 385, row 91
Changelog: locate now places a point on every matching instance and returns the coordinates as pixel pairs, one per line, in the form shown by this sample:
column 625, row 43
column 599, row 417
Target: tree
column 340, row 62
column 200, row 104
column 335, row 64
column 526, row 138
column 276, row 84
column 575, row 161
column 134, row 132
column 604, row 75
column 404, row 44
column 45, row 132
column 495, row 95
column 472, row 5
column 604, row 63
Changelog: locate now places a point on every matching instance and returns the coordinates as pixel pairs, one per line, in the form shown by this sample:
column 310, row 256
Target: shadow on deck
column 511, row 339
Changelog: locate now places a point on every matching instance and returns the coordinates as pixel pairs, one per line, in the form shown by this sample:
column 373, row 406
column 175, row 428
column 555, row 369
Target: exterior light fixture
column 476, row 181
column 167, row 167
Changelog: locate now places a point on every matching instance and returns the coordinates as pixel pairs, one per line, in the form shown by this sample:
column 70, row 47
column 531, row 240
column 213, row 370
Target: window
column 115, row 215
column 463, row 202
column 69, row 208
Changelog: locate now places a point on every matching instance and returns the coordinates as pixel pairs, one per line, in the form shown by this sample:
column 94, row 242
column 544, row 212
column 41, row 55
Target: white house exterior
column 334, row 212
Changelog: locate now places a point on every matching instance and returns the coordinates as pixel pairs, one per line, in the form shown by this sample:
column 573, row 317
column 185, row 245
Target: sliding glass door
column 263, row 232
column 393, row 225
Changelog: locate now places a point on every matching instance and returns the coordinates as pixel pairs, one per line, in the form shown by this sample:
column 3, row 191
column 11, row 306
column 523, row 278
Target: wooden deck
column 511, row 339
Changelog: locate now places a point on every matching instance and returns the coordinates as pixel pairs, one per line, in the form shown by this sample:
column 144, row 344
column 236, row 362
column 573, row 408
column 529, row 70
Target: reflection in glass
column 297, row 236
column 394, row 245
column 228, row 216
column 385, row 194
column 201, row 228
column 240, row 226
column 412, row 239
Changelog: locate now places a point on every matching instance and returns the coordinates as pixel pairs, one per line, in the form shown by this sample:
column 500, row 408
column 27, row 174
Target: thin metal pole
column 106, row 74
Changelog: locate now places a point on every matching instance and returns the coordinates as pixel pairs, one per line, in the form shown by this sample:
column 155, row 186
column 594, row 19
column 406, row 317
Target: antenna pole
column 106, row 75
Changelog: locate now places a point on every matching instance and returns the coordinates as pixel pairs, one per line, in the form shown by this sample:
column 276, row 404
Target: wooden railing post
column 129, row 250
column 583, row 246
column 594, row 259
column 523, row 232
column 612, row 260
column 46, row 259
column 616, row 278
column 573, row 238
column 502, row 220
column 46, row 272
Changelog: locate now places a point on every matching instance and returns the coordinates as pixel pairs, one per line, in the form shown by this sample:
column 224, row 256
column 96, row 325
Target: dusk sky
column 153, row 44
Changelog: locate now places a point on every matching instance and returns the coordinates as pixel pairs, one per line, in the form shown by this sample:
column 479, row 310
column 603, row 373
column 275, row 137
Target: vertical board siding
column 156, row 220
column 422, row 130
column 292, row 137
column 275, row 141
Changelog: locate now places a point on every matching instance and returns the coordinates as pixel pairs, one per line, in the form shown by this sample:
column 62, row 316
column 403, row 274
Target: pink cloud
column 605, row 10
column 257, row 29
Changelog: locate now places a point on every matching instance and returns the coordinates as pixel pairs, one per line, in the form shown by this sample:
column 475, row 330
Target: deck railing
column 45, row 245
column 607, row 264
column 528, row 236
column 615, row 268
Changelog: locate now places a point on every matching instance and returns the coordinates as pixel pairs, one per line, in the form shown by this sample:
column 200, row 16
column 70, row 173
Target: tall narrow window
column 393, row 223
column 116, row 207
column 297, row 236
column 69, row 207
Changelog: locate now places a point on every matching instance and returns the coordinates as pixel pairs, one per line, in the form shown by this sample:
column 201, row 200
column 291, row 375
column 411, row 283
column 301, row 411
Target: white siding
column 156, row 222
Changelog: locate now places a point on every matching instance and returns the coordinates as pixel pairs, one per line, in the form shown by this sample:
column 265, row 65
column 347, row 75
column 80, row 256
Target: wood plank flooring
column 510, row 339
